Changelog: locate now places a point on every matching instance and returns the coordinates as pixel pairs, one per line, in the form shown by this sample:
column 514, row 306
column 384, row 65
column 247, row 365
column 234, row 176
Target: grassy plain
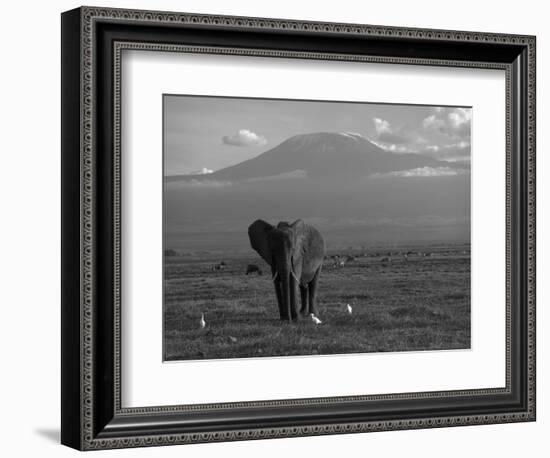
column 418, row 303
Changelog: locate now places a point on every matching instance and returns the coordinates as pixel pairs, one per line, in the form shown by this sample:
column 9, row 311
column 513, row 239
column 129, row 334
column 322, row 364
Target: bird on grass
column 350, row 310
column 202, row 322
column 315, row 319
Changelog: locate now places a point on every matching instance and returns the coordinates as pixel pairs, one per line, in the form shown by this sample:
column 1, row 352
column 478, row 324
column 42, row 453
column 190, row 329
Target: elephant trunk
column 286, row 296
column 283, row 271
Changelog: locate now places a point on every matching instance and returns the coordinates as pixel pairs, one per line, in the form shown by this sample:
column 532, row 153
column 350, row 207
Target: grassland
column 418, row 303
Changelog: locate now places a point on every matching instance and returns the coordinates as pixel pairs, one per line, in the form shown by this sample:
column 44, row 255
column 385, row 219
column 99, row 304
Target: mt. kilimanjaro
column 322, row 155
column 354, row 191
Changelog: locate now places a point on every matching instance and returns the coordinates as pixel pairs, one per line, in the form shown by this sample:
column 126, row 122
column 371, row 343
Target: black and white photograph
column 304, row 227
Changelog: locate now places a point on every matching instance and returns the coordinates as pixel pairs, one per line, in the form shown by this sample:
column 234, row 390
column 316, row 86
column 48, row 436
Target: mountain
column 322, row 154
column 354, row 192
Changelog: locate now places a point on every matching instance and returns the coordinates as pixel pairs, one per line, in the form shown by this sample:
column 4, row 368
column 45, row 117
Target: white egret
column 315, row 319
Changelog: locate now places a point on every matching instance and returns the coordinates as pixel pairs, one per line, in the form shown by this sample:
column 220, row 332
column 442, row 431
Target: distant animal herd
column 384, row 257
column 335, row 261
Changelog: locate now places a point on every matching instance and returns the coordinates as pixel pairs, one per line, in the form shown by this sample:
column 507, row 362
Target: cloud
column 353, row 135
column 294, row 174
column 453, row 152
column 243, row 138
column 452, row 122
column 460, row 117
column 387, row 134
column 443, row 133
column 395, row 148
column 423, row 172
column 212, row 183
column 433, row 122
column 433, row 148
column 381, row 125
column 203, row 171
column 198, row 184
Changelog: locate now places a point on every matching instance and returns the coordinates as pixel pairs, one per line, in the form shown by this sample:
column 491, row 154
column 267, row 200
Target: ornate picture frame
column 93, row 416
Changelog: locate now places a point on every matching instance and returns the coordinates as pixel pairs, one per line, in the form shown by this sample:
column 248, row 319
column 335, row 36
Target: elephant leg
column 279, row 295
column 304, row 297
column 313, row 286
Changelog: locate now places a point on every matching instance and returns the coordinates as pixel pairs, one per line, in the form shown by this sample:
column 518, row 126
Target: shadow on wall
column 52, row 435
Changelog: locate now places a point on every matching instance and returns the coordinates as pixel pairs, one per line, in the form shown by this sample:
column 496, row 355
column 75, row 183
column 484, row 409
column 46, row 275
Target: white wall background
column 30, row 240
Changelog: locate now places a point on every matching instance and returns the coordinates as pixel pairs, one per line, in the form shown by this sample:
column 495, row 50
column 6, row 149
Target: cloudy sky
column 203, row 134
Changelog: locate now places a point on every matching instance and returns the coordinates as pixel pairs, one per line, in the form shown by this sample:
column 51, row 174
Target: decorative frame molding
column 94, row 403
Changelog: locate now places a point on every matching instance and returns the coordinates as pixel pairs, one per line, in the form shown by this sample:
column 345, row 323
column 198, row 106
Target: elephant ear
column 257, row 233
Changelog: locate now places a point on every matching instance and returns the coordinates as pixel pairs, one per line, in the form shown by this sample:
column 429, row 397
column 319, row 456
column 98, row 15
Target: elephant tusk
column 294, row 275
column 276, row 274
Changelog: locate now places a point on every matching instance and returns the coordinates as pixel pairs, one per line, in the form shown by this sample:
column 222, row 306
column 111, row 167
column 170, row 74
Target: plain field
column 421, row 302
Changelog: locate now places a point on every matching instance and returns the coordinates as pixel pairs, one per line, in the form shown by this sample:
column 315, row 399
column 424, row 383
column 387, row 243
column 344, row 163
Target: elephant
column 253, row 268
column 295, row 253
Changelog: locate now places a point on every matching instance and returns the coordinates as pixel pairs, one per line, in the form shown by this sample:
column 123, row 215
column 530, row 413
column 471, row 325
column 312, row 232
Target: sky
column 204, row 134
